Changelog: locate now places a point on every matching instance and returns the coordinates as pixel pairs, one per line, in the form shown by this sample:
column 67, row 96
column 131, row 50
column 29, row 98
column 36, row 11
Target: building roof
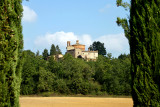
column 77, row 44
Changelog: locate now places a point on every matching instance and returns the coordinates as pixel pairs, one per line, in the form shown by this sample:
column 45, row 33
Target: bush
column 60, row 86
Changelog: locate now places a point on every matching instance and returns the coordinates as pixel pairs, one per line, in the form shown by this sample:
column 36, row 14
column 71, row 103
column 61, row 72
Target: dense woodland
column 70, row 76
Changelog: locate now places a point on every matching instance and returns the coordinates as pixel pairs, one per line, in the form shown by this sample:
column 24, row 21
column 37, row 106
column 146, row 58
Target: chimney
column 77, row 41
column 68, row 43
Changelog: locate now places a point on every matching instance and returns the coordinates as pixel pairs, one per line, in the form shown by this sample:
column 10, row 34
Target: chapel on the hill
column 78, row 51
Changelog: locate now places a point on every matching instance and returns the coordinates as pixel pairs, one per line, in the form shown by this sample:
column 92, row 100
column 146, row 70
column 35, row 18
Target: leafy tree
column 98, row 46
column 58, row 50
column 113, row 75
column 35, row 77
column 45, row 54
column 103, row 72
column 144, row 38
column 76, row 76
column 53, row 50
column 29, row 74
column 124, row 22
column 11, row 44
column 123, row 56
column 60, row 86
column 54, row 66
column 45, row 80
column 121, row 75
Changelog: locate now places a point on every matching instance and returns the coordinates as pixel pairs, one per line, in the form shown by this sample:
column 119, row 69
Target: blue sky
column 49, row 22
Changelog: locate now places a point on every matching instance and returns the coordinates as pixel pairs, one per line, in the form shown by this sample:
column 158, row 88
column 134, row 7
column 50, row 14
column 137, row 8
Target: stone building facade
column 56, row 57
column 78, row 51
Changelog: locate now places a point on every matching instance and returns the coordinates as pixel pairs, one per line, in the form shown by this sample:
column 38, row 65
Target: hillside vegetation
column 70, row 76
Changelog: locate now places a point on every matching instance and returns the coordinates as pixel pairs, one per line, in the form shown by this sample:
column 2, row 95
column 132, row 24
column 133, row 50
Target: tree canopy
column 107, row 75
column 96, row 45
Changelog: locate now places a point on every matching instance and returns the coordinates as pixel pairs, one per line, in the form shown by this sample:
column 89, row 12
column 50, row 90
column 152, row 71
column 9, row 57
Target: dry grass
column 75, row 102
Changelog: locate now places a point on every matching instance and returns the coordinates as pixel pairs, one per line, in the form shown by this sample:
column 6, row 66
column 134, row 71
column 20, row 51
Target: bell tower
column 68, row 43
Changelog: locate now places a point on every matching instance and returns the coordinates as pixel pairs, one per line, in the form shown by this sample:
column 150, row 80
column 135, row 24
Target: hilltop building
column 56, row 57
column 78, row 51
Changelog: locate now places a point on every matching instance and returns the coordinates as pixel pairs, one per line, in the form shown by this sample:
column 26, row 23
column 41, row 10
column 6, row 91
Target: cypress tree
column 145, row 52
column 58, row 51
column 11, row 44
column 143, row 33
column 45, row 54
column 53, row 50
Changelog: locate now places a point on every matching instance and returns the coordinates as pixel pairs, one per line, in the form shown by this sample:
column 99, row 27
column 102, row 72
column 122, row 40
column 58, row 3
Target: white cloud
column 115, row 44
column 86, row 39
column 61, row 38
column 29, row 15
column 105, row 8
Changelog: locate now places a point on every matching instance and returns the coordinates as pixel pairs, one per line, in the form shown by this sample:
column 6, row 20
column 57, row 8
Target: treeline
column 75, row 76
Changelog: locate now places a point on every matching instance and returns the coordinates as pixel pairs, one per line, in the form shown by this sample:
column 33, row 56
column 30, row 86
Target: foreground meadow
column 75, row 102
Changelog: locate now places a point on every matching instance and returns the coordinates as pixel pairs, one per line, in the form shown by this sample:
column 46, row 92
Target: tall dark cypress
column 45, row 54
column 145, row 52
column 58, row 51
column 11, row 44
column 53, row 50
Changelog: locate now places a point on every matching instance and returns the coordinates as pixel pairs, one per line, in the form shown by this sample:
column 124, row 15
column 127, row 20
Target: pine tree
column 144, row 38
column 53, row 50
column 11, row 44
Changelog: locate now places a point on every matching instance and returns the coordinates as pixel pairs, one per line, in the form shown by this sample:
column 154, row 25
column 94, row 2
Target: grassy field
column 75, row 102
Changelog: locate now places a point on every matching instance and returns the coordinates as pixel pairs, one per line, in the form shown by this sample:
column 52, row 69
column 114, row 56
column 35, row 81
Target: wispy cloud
column 115, row 44
column 29, row 15
column 105, row 8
